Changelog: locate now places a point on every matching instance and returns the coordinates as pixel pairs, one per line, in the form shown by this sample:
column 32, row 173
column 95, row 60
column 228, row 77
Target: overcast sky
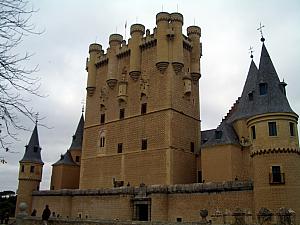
column 228, row 29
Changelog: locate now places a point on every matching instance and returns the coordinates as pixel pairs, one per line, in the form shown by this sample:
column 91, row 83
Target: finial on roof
column 36, row 118
column 261, row 33
column 82, row 103
column 251, row 51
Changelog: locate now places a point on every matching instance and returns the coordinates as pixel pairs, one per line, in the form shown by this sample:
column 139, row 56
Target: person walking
column 46, row 214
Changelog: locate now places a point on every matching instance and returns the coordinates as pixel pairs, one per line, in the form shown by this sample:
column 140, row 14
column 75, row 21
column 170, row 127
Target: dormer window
column 218, row 134
column 35, row 148
column 263, row 88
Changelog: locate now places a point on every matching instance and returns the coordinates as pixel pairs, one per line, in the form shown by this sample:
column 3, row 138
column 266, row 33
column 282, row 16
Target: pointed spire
column 78, row 136
column 254, row 101
column 266, row 67
column 33, row 149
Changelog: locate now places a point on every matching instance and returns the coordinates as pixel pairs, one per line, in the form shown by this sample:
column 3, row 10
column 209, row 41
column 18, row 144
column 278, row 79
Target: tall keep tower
column 30, row 172
column 142, row 108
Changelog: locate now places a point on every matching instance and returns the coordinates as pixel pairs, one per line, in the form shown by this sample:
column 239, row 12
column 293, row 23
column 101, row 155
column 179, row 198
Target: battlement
column 151, row 189
column 95, row 47
column 118, row 38
column 178, row 17
column 194, row 30
column 137, row 28
column 162, row 16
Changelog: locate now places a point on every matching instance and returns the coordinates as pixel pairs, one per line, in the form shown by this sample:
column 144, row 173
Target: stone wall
column 166, row 202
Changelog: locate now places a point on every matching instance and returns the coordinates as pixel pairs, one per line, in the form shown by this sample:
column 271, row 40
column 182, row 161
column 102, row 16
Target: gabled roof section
column 65, row 159
column 78, row 136
column 33, row 149
column 253, row 102
column 224, row 134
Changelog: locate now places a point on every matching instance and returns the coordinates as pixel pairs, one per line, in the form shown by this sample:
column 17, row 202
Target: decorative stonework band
column 271, row 151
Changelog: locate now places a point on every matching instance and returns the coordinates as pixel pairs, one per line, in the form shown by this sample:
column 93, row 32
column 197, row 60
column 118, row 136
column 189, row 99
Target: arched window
column 102, row 139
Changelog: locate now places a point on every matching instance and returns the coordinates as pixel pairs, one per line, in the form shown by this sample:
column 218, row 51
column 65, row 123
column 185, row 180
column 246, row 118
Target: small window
column 199, row 176
column 272, row 129
column 292, row 129
column 102, row 118
column 120, row 147
column 179, row 219
column 144, row 108
column 250, row 96
column 276, row 177
column 122, row 114
column 37, row 187
column 102, row 141
column 77, row 159
column 218, row 134
column 31, row 169
column 52, row 187
column 22, row 168
column 144, row 144
column 253, row 132
column 192, row 147
column 35, row 148
column 263, row 88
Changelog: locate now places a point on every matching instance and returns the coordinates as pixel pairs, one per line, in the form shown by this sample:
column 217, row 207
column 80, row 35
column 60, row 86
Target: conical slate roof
column 252, row 101
column 65, row 159
column 33, row 149
column 78, row 136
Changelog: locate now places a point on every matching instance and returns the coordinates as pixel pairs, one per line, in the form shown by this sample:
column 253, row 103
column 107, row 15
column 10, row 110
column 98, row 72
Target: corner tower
column 275, row 144
column 30, row 172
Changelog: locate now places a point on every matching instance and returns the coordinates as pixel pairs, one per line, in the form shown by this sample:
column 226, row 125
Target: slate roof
column 78, row 136
column 33, row 149
column 65, row 159
column 274, row 101
column 226, row 135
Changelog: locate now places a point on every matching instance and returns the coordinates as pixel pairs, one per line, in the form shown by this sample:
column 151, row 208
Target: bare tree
column 16, row 81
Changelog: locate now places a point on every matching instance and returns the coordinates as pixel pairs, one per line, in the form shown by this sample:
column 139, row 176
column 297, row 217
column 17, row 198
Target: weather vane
column 261, row 33
column 251, row 51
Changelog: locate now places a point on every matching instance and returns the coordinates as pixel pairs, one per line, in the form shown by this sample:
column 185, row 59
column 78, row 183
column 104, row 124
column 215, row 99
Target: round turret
column 194, row 34
column 115, row 39
column 162, row 22
column 136, row 31
column 178, row 17
column 162, row 16
column 194, row 30
column 95, row 48
column 140, row 28
column 175, row 34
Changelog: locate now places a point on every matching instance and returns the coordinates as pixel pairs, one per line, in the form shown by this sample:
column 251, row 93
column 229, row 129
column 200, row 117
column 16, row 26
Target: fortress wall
column 167, row 202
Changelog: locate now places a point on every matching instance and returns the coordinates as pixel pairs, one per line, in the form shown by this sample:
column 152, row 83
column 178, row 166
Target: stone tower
column 142, row 107
column 272, row 125
column 267, row 127
column 65, row 172
column 30, row 172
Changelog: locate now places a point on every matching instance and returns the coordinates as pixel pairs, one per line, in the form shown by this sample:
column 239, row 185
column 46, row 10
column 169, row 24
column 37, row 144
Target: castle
column 140, row 153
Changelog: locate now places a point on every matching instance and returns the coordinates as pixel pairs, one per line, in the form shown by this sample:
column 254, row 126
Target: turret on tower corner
column 136, row 31
column 94, row 51
column 194, row 33
column 115, row 41
column 30, row 172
